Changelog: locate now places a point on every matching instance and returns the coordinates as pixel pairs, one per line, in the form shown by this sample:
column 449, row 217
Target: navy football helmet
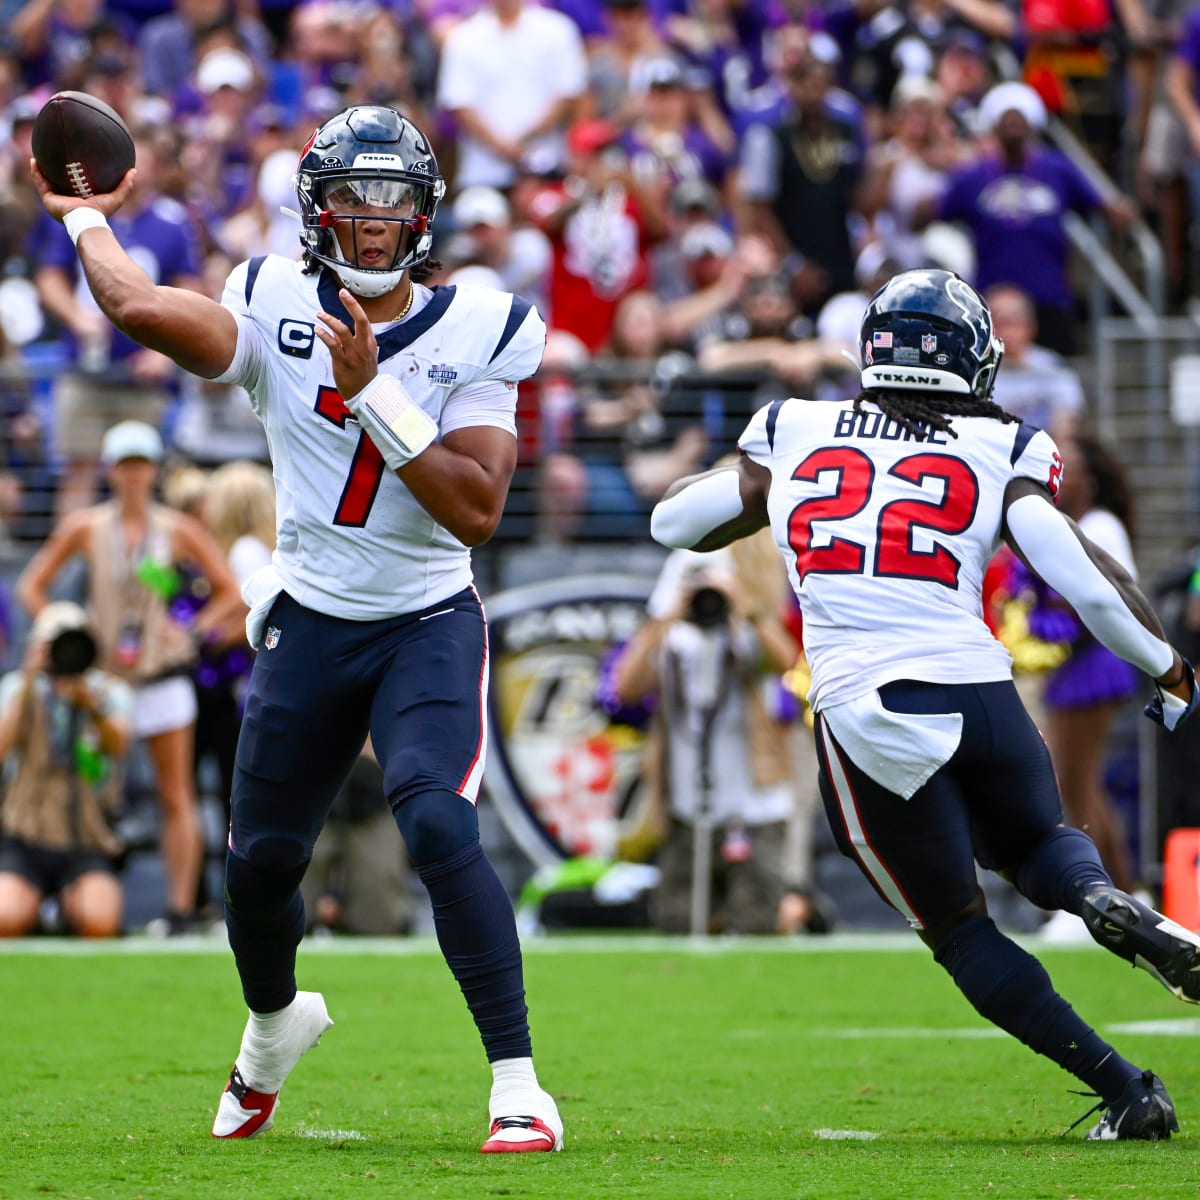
column 932, row 330
column 368, row 157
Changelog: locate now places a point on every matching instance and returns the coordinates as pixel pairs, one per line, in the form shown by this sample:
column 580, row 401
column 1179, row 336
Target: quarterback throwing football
column 390, row 412
column 887, row 509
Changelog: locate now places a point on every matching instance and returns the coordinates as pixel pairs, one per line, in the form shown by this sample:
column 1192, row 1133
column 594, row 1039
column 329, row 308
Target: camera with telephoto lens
column 707, row 608
column 71, row 652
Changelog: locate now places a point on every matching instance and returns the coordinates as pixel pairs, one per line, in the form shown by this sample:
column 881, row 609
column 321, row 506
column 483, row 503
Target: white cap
column 681, row 571
column 480, row 205
column 1007, row 97
column 707, row 237
column 131, row 439
column 224, row 67
column 57, row 617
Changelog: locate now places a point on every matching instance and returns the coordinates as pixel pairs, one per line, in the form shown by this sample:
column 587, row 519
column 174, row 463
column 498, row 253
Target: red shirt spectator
column 600, row 226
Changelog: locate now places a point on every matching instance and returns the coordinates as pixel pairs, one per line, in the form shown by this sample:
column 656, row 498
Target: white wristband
column 79, row 219
column 399, row 428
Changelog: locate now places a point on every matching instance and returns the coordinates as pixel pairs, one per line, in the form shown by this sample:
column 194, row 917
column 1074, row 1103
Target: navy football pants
column 994, row 802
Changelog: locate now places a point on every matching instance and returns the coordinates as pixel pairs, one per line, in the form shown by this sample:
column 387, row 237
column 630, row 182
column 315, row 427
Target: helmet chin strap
column 368, row 285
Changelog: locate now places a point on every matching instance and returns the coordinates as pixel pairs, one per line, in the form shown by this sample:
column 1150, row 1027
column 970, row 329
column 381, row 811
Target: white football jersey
column 887, row 537
column 351, row 539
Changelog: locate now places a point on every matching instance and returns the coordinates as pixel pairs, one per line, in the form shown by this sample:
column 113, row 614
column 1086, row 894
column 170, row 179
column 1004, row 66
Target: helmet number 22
column 366, row 468
column 895, row 555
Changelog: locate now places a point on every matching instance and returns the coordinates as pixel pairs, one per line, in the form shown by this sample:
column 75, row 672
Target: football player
column 887, row 509
column 389, row 410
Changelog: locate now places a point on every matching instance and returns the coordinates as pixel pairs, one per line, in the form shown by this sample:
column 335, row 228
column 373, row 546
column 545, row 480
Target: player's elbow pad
column 695, row 511
column 1057, row 555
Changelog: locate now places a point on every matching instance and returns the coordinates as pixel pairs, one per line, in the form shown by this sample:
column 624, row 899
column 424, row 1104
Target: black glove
column 1169, row 711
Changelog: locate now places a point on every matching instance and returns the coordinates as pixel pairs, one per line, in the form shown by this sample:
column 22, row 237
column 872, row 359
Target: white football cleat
column 245, row 1109
column 520, row 1132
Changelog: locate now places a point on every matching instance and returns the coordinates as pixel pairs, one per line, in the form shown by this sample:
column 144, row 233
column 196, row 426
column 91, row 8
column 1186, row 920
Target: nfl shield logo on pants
column 272, row 638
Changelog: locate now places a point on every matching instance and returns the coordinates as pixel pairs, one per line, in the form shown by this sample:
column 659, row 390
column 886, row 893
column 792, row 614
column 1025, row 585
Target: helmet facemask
column 345, row 214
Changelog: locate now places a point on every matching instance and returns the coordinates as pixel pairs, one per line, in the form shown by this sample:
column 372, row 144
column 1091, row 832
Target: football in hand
column 81, row 145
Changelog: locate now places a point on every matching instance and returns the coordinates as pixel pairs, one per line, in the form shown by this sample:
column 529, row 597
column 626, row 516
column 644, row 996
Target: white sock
column 513, row 1081
column 254, row 1059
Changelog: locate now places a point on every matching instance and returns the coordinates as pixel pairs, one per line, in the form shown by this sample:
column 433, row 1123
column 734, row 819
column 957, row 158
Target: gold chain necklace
column 407, row 304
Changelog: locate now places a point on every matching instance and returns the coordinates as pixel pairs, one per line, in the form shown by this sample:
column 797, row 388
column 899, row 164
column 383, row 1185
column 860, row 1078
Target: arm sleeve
column 491, row 402
column 249, row 358
column 1057, row 555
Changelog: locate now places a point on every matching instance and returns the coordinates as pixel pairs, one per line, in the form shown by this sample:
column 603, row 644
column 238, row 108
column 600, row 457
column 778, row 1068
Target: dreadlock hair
column 920, row 411
column 423, row 270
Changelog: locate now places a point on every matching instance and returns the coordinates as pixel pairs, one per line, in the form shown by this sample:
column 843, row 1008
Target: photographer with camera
column 712, row 649
column 65, row 729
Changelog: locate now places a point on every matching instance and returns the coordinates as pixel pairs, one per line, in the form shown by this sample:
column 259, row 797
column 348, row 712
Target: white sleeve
column 246, row 368
column 520, row 345
column 489, row 402
column 690, row 515
column 1057, row 555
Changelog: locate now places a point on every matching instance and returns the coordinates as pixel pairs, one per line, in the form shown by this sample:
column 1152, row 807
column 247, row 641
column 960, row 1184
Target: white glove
column 399, row 428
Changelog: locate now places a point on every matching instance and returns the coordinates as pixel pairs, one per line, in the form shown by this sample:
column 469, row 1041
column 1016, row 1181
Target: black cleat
column 1135, row 932
column 1143, row 1113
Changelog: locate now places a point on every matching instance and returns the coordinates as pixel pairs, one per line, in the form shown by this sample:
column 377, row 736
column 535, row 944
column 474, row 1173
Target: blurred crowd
column 699, row 195
column 686, row 188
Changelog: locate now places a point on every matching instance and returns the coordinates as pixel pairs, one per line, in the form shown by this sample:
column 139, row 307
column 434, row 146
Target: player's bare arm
column 1100, row 590
column 712, row 509
column 225, row 610
column 191, row 329
column 68, row 539
column 462, row 481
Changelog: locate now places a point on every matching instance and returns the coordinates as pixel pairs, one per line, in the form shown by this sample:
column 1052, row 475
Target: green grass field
column 836, row 1067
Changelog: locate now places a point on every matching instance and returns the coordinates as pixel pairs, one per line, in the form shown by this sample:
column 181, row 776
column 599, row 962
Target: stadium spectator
column 1183, row 91
column 798, row 182
column 237, row 506
column 928, row 762
column 1013, row 201
column 712, row 647
column 909, row 168
column 359, row 879
column 1036, row 384
column 505, row 114
column 216, row 154
column 53, row 40
column 586, row 489
column 666, row 141
column 133, row 548
column 964, row 74
column 601, row 225
column 520, row 255
column 111, row 378
column 1161, row 166
column 65, row 731
column 628, row 40
column 167, row 44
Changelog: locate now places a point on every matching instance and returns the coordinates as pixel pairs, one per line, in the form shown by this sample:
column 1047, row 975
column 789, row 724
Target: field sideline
column 845, row 1066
